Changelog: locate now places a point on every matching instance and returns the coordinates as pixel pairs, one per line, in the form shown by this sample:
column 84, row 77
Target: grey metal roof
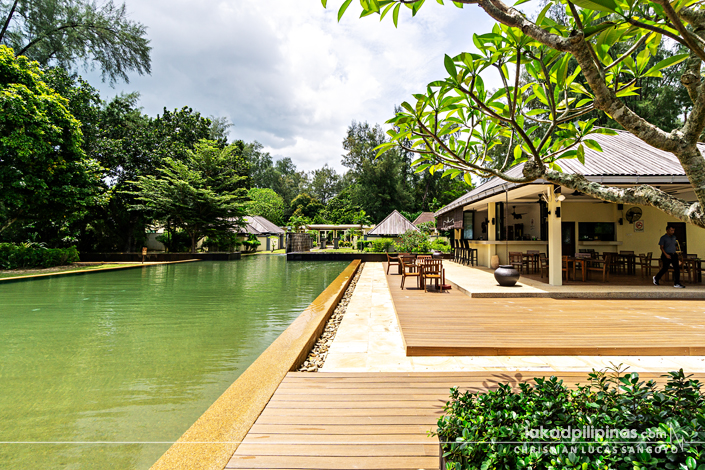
column 258, row 225
column 393, row 225
column 624, row 157
column 424, row 217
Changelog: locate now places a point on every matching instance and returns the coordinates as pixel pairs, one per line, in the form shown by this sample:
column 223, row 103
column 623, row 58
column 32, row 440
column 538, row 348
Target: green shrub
column 251, row 243
column 227, row 241
column 615, row 422
column 380, row 245
column 441, row 245
column 345, row 244
column 363, row 244
column 413, row 241
column 32, row 255
column 175, row 242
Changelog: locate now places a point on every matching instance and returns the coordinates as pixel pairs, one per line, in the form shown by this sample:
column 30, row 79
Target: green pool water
column 105, row 370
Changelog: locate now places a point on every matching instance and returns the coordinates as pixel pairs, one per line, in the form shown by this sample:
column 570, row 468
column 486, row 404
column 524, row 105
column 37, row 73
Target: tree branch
column 8, row 20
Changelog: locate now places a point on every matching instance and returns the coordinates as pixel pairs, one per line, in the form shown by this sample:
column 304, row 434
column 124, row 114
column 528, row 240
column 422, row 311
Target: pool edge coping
column 89, row 271
column 212, row 440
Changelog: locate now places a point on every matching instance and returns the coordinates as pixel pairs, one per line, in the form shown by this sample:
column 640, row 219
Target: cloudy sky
column 285, row 72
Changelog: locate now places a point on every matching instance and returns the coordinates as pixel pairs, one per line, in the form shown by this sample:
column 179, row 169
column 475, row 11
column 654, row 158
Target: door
column 680, row 235
column 568, row 239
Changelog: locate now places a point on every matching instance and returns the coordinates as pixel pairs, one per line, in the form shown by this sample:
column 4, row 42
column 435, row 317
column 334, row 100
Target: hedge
column 616, row 422
column 23, row 256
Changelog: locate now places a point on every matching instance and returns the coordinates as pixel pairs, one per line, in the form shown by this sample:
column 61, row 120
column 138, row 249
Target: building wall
column 639, row 242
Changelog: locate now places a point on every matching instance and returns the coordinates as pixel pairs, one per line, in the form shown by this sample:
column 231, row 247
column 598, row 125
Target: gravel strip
column 319, row 352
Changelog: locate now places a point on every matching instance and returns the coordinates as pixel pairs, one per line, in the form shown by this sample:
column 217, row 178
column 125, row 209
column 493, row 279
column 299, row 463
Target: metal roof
column 258, row 225
column 623, row 160
column 394, row 224
column 424, row 217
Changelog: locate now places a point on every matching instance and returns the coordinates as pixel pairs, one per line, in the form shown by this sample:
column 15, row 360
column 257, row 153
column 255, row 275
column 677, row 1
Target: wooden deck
column 362, row 420
column 453, row 324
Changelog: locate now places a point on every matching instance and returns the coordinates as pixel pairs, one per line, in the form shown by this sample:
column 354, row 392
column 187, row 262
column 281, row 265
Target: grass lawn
column 61, row 269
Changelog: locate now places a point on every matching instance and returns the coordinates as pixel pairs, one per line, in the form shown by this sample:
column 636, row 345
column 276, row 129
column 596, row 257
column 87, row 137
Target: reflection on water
column 105, row 370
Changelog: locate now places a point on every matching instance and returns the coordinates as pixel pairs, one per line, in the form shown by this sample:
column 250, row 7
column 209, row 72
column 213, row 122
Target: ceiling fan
column 517, row 215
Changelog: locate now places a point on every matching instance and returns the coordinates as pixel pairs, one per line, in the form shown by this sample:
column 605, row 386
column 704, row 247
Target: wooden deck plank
column 337, row 463
column 454, row 324
column 339, row 450
column 350, row 429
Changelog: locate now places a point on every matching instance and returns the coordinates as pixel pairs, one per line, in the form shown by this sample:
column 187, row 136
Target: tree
column 203, row 194
column 263, row 174
column 304, row 205
column 266, row 203
column 44, row 172
column 453, row 125
column 343, row 210
column 325, row 183
column 380, row 186
column 64, row 32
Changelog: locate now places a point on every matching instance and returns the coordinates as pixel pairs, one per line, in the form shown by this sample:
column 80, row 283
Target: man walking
column 669, row 257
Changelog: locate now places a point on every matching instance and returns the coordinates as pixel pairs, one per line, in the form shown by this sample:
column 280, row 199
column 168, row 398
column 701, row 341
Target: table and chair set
column 589, row 261
column 422, row 267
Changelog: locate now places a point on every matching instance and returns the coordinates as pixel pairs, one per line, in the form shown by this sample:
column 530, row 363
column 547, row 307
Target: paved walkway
column 480, row 282
column 369, row 339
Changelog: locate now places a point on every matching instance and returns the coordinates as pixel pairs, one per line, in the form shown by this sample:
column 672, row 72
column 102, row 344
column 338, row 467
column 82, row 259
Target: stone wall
column 298, row 242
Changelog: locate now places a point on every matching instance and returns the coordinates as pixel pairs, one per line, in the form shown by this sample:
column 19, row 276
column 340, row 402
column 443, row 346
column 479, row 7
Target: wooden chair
column 533, row 260
column 424, row 256
column 432, row 269
column 409, row 269
column 516, row 258
column 603, row 266
column 393, row 261
column 565, row 267
column 543, row 263
column 645, row 263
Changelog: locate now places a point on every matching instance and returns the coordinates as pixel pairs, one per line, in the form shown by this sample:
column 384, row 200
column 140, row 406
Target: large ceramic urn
column 506, row 275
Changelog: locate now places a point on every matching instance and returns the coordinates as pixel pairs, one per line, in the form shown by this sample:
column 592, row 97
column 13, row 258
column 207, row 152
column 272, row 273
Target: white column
column 491, row 233
column 555, row 263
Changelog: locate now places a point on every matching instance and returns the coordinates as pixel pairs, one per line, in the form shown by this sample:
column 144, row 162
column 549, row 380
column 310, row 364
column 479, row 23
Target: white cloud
column 286, row 73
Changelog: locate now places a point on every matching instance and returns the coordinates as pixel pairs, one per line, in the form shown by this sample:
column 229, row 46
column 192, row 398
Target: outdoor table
column 532, row 260
column 583, row 265
column 630, row 259
column 695, row 267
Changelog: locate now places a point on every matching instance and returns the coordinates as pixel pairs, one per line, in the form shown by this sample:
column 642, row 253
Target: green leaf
column 395, row 15
column 593, row 144
column 543, row 12
column 343, row 7
column 325, row 3
column 386, row 10
column 416, row 7
column 521, row 1
column 569, row 154
column 673, row 60
column 599, row 5
column 467, row 179
column 450, row 66
column 605, row 131
column 581, row 154
column 593, row 30
column 517, row 152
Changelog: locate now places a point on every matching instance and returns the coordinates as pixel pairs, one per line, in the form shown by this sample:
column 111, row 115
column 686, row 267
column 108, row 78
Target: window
column 468, row 225
column 597, row 231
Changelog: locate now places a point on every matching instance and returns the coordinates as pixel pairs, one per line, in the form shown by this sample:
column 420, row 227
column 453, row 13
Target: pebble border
column 319, row 352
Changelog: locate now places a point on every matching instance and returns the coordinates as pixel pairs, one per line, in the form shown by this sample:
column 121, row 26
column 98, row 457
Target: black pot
column 506, row 275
